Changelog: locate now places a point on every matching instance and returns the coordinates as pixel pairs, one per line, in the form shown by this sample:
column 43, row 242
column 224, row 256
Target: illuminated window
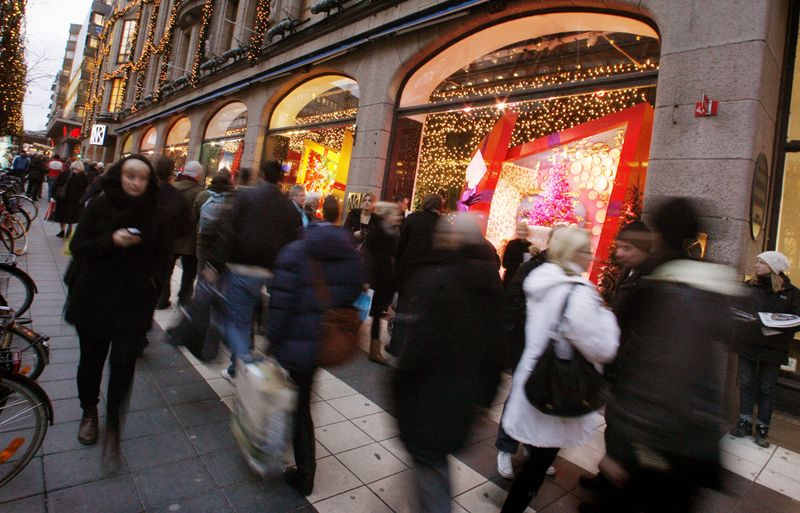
column 93, row 42
column 115, row 98
column 126, row 41
column 97, row 18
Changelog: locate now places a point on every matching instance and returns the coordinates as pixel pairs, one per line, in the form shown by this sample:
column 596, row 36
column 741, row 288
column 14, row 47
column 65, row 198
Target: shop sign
column 98, row 136
column 758, row 196
column 354, row 200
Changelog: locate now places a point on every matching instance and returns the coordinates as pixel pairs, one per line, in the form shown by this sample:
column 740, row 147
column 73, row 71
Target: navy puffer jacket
column 295, row 312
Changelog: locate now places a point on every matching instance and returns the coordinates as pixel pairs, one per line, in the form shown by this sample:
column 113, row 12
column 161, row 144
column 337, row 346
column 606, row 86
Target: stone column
column 196, row 118
column 255, row 136
column 162, row 127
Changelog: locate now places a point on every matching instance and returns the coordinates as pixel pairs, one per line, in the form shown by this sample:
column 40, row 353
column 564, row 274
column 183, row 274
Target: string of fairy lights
column 152, row 50
column 449, row 138
column 481, row 87
column 12, row 66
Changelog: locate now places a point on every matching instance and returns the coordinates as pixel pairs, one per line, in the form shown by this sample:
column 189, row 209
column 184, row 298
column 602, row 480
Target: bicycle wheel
column 18, row 232
column 33, row 354
column 16, row 288
column 24, row 416
column 27, row 205
column 23, row 218
column 7, row 239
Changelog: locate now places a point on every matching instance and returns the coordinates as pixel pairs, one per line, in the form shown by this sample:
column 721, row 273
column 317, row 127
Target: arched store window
column 127, row 145
column 312, row 130
column 544, row 120
column 148, row 145
column 223, row 142
column 178, row 142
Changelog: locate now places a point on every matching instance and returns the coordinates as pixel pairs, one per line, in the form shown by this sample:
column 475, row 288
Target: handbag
column 339, row 332
column 565, row 387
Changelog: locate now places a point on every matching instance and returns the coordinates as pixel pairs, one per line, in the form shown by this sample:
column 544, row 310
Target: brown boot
column 375, row 352
column 87, row 431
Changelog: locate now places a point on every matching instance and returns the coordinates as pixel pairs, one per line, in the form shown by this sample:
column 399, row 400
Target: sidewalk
column 180, row 456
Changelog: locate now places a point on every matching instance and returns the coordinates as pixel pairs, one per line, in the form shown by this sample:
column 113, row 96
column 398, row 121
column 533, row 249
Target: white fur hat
column 776, row 261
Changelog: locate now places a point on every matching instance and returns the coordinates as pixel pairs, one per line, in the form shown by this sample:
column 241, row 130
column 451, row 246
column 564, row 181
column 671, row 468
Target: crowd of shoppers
column 455, row 323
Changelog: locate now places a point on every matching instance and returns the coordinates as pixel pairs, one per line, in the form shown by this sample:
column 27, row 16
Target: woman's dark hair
column 272, row 171
column 244, row 175
column 165, row 168
column 432, row 202
column 678, row 224
column 330, row 209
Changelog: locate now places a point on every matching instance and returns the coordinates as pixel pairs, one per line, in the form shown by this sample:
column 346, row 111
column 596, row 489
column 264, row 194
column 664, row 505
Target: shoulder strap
column 318, row 281
column 557, row 322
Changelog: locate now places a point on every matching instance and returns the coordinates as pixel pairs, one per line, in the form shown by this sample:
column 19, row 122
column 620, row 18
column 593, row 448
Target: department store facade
column 486, row 102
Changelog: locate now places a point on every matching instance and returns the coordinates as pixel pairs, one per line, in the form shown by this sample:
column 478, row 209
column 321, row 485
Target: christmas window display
column 148, row 145
column 177, row 147
column 224, row 141
column 312, row 132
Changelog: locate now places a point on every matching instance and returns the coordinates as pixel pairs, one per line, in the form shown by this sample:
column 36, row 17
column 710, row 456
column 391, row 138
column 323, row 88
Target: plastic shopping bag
column 265, row 399
column 363, row 304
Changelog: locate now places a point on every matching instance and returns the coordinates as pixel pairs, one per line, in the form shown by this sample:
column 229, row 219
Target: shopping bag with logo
column 265, row 399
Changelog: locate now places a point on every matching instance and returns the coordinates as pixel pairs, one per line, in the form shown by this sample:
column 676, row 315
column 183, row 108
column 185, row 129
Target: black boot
column 303, row 483
column 742, row 428
column 761, row 435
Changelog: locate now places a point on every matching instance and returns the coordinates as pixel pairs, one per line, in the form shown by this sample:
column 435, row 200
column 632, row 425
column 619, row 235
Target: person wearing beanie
column 664, row 412
column 762, row 351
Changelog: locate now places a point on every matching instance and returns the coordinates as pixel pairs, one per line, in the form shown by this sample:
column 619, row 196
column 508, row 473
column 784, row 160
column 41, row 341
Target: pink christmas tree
column 555, row 204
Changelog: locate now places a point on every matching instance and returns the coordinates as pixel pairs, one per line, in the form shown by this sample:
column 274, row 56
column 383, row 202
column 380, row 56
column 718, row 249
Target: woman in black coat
column 761, row 355
column 69, row 189
column 360, row 220
column 380, row 247
column 114, row 280
column 451, row 360
column 515, row 252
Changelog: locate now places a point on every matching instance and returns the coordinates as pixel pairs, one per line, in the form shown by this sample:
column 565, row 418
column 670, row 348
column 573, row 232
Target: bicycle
column 17, row 288
column 33, row 348
column 25, row 414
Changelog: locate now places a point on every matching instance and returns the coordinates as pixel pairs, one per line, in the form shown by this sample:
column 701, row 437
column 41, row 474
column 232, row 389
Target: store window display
column 178, row 142
column 312, row 131
column 223, row 142
column 148, row 144
column 544, row 120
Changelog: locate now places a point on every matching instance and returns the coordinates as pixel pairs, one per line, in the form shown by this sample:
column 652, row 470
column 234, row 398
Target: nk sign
column 98, row 135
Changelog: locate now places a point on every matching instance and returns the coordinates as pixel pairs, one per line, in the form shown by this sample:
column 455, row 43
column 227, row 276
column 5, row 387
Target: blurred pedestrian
column 325, row 253
column 312, row 206
column 211, row 208
column 297, row 193
column 379, row 248
column 188, row 183
column 36, row 173
column 516, row 252
column 113, row 281
column 565, row 306
column 663, row 417
column 54, row 166
column 359, row 220
column 763, row 351
column 69, row 189
column 450, row 365
column 261, row 223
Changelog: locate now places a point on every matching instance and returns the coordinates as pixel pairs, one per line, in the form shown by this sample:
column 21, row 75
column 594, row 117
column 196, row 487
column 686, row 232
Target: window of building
column 229, row 24
column 148, row 145
column 126, row 41
column 93, row 42
column 223, row 142
column 69, row 55
column 312, row 130
column 97, row 18
column 544, row 120
column 73, row 38
column 178, row 142
column 115, row 97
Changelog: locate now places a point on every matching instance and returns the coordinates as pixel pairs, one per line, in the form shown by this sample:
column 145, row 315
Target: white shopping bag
column 265, row 399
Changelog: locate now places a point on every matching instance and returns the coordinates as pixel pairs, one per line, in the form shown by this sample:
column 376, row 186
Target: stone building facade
column 392, row 69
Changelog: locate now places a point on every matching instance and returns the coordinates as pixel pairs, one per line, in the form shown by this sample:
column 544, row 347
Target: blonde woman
column 380, row 247
column 586, row 326
column 760, row 355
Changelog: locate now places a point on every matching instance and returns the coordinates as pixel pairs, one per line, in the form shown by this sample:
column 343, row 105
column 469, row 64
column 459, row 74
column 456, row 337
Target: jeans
column 51, row 185
column 90, row 371
column 757, row 379
column 432, row 478
column 303, row 435
column 189, row 265
column 243, row 294
column 529, row 479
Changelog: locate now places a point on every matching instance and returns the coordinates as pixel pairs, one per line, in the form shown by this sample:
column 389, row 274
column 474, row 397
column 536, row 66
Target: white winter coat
column 589, row 326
